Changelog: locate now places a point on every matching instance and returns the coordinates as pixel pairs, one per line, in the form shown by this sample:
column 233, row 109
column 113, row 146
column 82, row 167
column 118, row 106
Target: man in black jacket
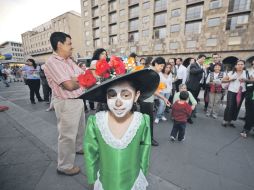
column 196, row 75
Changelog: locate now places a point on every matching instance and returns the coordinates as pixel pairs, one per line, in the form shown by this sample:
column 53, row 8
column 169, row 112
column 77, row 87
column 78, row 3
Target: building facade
column 36, row 42
column 13, row 48
column 170, row 28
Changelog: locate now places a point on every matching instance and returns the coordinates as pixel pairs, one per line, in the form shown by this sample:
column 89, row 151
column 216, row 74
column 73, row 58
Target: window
column 87, row 33
column 158, row 47
column 146, row 5
column 97, row 43
column 160, row 19
column 96, row 33
column 96, row 22
column 213, row 22
column 236, row 40
column 235, row 22
column 215, row 4
column 175, row 28
column 122, row 24
column 112, row 6
column 86, row 13
column 88, row 43
column 193, row 27
column 133, row 37
column 191, row 44
column 112, row 18
column 85, row 3
column 134, row 12
column 113, row 29
column 211, row 42
column 194, row 12
column 95, row 12
column 176, row 12
column 86, row 23
column 133, row 49
column 173, row 45
column 239, row 5
column 160, row 5
column 160, row 33
column 113, row 40
column 94, row 3
column 131, row 2
column 145, row 33
column 133, row 25
column 103, row 19
column 122, row 12
column 145, row 19
column 103, row 29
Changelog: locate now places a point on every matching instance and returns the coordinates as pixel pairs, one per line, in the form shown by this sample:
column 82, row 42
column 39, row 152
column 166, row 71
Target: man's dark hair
column 97, row 53
column 133, row 55
column 180, row 59
column 58, row 37
column 201, row 56
column 184, row 95
column 159, row 60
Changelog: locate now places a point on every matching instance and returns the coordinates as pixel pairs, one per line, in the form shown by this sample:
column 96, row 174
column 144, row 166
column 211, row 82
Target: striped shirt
column 59, row 70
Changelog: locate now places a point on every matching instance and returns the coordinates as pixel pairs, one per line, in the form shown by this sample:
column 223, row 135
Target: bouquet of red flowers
column 102, row 68
column 117, row 64
column 87, row 79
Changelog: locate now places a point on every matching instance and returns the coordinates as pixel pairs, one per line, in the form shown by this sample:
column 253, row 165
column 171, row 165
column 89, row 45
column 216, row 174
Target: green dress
column 117, row 164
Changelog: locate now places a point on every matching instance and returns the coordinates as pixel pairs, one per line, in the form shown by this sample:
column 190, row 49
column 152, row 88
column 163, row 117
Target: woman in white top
column 167, row 79
column 236, row 92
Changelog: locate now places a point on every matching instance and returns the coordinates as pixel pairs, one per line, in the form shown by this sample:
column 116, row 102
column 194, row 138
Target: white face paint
column 120, row 99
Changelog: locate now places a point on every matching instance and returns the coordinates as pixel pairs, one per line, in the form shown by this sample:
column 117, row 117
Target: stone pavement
column 211, row 158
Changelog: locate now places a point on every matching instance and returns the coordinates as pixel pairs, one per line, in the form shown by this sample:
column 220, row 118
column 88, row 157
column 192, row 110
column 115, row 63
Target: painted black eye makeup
column 111, row 93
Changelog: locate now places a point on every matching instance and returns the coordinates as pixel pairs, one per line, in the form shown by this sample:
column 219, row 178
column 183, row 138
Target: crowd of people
column 157, row 87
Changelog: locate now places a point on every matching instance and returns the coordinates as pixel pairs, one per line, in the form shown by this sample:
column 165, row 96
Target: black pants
column 249, row 118
column 34, row 86
column 46, row 92
column 177, row 83
column 231, row 110
column 178, row 129
column 147, row 108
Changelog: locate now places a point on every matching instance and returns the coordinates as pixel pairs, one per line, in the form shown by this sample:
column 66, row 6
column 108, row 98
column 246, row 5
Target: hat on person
column 146, row 81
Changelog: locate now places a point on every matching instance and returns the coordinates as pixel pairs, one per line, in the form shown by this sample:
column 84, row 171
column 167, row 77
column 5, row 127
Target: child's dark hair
column 184, row 95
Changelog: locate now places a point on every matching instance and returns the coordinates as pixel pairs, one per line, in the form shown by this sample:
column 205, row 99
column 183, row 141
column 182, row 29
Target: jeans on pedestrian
column 162, row 105
column 178, row 130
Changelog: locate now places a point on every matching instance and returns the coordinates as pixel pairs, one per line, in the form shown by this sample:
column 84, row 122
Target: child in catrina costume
column 117, row 142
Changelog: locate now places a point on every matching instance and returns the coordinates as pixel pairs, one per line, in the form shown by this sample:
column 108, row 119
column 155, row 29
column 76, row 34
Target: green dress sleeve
column 91, row 150
column 145, row 145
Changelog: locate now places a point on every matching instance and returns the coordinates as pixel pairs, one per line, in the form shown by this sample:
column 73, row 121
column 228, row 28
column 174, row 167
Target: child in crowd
column 117, row 141
column 181, row 111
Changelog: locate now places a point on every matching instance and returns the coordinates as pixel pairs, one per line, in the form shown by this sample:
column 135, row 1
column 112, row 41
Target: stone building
column 170, row 28
column 36, row 42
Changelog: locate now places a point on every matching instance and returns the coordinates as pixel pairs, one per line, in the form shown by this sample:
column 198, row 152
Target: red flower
column 102, row 67
column 87, row 80
column 117, row 64
column 106, row 75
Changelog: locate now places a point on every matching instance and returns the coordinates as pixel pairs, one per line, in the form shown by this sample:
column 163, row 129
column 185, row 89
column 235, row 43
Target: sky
column 19, row 16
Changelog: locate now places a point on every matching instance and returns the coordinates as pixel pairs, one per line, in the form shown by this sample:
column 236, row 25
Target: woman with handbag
column 236, row 93
column 214, row 79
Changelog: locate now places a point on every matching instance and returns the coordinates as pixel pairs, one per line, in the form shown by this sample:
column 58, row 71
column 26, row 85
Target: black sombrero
column 146, row 81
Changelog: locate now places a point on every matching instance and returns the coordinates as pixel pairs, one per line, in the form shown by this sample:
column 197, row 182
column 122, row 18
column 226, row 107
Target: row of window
column 233, row 22
column 18, row 54
column 190, row 44
column 17, row 49
column 16, row 44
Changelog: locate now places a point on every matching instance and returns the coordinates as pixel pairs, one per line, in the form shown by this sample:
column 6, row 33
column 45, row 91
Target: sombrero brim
column 146, row 80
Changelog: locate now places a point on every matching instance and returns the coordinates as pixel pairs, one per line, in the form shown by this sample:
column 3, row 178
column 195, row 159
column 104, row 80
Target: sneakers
column 243, row 134
column 214, row 116
column 172, row 138
column 163, row 118
column 182, row 139
column 70, row 172
column 156, row 120
column 207, row 114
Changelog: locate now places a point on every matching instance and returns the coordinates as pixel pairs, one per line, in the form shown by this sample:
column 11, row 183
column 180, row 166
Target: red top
column 181, row 111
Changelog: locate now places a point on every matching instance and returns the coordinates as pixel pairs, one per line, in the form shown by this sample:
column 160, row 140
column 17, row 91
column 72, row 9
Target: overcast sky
column 19, row 16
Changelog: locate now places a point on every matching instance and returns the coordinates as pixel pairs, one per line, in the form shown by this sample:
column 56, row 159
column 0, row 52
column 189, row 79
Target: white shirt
column 181, row 73
column 234, row 86
column 167, row 81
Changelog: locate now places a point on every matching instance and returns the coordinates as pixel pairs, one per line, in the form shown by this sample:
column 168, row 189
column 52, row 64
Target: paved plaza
column 211, row 158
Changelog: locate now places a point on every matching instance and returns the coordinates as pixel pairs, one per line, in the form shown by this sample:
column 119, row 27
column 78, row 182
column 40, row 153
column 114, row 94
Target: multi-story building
column 36, row 42
column 13, row 48
column 170, row 28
